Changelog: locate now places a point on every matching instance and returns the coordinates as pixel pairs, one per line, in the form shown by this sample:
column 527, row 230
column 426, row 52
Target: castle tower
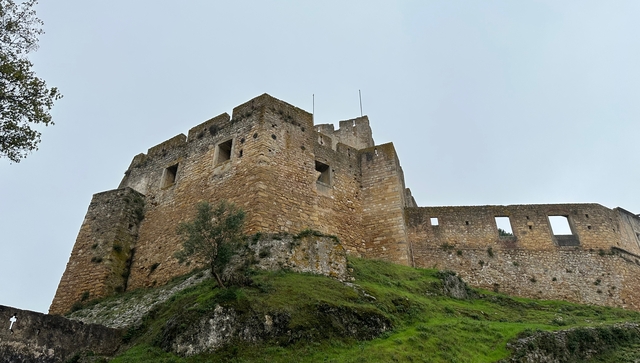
column 270, row 160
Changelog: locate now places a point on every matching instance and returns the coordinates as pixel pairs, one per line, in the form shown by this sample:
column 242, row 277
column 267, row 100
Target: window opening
column 169, row 176
column 504, row 226
column 434, row 221
column 560, row 225
column 324, row 171
column 562, row 232
column 224, row 151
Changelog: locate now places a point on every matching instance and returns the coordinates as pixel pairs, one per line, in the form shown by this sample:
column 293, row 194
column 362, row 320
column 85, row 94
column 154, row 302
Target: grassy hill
column 389, row 313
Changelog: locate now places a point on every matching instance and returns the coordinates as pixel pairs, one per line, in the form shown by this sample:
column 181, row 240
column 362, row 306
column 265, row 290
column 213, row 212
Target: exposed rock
column 122, row 312
column 189, row 334
column 311, row 253
column 571, row 345
column 453, row 286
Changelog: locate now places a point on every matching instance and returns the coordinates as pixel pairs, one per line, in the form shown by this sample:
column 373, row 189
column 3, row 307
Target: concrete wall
column 40, row 338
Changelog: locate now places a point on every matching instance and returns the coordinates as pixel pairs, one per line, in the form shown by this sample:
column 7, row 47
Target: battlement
column 355, row 133
column 266, row 103
column 209, row 127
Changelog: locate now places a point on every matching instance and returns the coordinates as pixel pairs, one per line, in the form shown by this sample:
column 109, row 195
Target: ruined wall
column 100, row 258
column 40, row 338
column 383, row 192
column 593, row 226
column 599, row 270
column 629, row 227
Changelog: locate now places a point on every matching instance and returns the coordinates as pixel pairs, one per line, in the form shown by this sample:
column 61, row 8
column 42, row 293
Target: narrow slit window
column 223, row 151
column 434, row 221
column 504, row 227
column 324, row 173
column 169, row 176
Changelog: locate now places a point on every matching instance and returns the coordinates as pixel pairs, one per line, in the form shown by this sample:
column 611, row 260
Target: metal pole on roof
column 360, row 94
column 313, row 107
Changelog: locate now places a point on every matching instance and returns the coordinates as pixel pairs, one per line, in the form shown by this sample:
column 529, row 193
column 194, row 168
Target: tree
column 25, row 100
column 212, row 235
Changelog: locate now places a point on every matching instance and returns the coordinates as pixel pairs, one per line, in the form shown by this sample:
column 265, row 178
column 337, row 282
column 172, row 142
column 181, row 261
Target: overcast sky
column 494, row 102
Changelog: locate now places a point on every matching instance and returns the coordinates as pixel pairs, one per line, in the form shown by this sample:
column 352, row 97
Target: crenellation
column 209, row 127
column 289, row 175
column 163, row 148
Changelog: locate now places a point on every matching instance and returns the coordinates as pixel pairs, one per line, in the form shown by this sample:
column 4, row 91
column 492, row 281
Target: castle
column 289, row 175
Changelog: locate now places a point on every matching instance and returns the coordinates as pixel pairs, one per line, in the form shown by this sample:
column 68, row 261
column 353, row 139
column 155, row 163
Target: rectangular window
column 560, row 225
column 169, row 176
column 223, row 151
column 504, row 227
column 434, row 221
column 324, row 173
column 562, row 232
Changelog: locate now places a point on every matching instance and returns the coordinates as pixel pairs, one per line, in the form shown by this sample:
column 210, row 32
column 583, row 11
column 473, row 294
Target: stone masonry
column 290, row 175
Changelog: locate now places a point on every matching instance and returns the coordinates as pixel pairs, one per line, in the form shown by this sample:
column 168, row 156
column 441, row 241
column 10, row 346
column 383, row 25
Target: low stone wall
column 41, row 338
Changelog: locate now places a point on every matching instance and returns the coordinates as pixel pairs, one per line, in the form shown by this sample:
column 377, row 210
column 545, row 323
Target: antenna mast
column 360, row 94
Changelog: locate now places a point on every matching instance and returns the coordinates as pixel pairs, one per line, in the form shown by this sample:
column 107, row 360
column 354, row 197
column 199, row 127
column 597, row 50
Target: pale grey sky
column 494, row 102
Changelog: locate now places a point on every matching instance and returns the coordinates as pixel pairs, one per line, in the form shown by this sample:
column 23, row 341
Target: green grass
column 427, row 326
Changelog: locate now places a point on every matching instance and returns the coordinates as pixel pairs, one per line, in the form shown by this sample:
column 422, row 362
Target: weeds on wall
column 447, row 247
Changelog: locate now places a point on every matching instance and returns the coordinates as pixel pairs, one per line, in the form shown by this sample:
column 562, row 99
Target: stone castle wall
column 270, row 160
column 100, row 259
column 598, row 264
column 290, row 175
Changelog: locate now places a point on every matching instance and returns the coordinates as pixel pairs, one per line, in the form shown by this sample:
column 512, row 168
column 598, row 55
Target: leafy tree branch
column 212, row 236
column 25, row 99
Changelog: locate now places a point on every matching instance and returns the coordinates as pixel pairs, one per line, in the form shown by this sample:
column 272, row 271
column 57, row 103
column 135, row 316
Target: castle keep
column 289, row 175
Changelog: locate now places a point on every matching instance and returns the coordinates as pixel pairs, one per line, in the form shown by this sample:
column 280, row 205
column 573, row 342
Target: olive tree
column 25, row 99
column 212, row 236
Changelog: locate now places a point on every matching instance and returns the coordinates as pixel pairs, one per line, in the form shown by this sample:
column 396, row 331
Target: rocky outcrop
column 30, row 337
column 307, row 252
column 123, row 311
column 571, row 345
column 187, row 334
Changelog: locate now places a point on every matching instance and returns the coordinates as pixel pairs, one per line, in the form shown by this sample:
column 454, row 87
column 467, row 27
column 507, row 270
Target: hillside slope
column 389, row 313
